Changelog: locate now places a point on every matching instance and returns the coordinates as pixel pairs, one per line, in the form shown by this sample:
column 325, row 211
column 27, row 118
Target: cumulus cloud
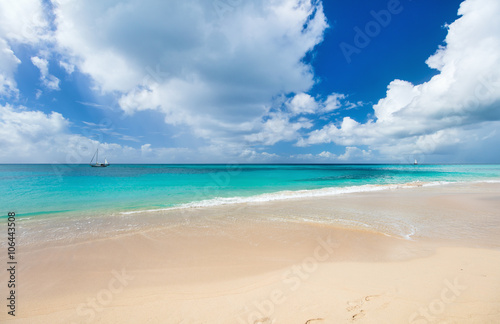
column 68, row 67
column 334, row 102
column 8, row 65
column 327, row 155
column 211, row 72
column 21, row 22
column 288, row 124
column 429, row 117
column 34, row 136
column 351, row 154
column 236, row 77
column 48, row 80
column 254, row 156
column 354, row 153
column 31, row 136
column 27, row 135
column 303, row 103
column 279, row 128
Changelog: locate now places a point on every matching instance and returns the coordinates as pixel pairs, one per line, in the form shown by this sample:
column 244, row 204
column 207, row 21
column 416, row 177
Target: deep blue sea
column 45, row 190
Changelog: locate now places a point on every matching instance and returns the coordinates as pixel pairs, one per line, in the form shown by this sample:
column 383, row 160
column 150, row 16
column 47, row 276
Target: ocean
column 37, row 191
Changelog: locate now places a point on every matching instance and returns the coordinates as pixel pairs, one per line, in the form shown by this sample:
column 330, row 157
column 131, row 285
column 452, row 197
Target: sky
column 250, row 81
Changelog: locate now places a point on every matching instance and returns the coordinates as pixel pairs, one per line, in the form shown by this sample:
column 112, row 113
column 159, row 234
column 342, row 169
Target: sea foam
column 288, row 194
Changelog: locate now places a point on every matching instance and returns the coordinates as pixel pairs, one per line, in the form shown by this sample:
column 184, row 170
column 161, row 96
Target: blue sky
column 250, row 81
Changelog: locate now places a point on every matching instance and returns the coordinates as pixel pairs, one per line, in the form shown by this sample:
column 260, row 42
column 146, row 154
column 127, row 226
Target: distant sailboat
column 97, row 164
column 416, row 162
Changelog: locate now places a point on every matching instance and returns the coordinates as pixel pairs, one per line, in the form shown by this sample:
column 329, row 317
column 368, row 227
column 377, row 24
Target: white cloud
column 28, row 135
column 279, row 128
column 8, row 65
column 225, row 77
column 42, row 64
column 37, row 137
column 69, row 68
column 433, row 116
column 303, row 157
column 333, row 102
column 47, row 79
column 302, row 103
column 285, row 126
column 146, row 149
column 214, row 74
column 354, row 154
column 327, row 155
column 21, row 22
column 254, row 156
column 351, row 154
column 33, row 136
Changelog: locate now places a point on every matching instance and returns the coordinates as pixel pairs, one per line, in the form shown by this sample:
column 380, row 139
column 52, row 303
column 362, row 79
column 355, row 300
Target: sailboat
column 97, row 164
column 416, row 162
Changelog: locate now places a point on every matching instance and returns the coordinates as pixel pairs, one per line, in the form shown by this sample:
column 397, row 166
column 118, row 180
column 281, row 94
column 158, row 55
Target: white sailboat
column 416, row 162
column 97, row 164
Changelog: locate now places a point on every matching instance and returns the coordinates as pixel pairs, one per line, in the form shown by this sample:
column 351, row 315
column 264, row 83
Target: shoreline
column 293, row 194
column 280, row 195
column 345, row 216
column 271, row 263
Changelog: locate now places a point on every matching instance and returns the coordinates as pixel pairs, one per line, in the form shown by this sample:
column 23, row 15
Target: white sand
column 213, row 267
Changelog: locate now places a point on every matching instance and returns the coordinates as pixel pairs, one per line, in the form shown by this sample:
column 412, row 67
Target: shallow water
column 68, row 190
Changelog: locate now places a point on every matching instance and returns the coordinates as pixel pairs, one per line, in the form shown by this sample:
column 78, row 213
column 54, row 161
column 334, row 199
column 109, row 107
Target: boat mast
column 93, row 158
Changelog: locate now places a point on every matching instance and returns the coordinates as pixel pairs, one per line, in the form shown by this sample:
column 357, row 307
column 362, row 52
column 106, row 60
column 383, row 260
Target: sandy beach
column 310, row 260
column 249, row 162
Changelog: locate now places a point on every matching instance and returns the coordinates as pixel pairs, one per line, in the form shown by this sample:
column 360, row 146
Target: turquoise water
column 45, row 190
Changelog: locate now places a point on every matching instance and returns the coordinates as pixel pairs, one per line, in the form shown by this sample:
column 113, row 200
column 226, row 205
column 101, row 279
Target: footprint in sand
column 370, row 297
column 265, row 320
column 359, row 315
column 353, row 305
column 356, row 305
